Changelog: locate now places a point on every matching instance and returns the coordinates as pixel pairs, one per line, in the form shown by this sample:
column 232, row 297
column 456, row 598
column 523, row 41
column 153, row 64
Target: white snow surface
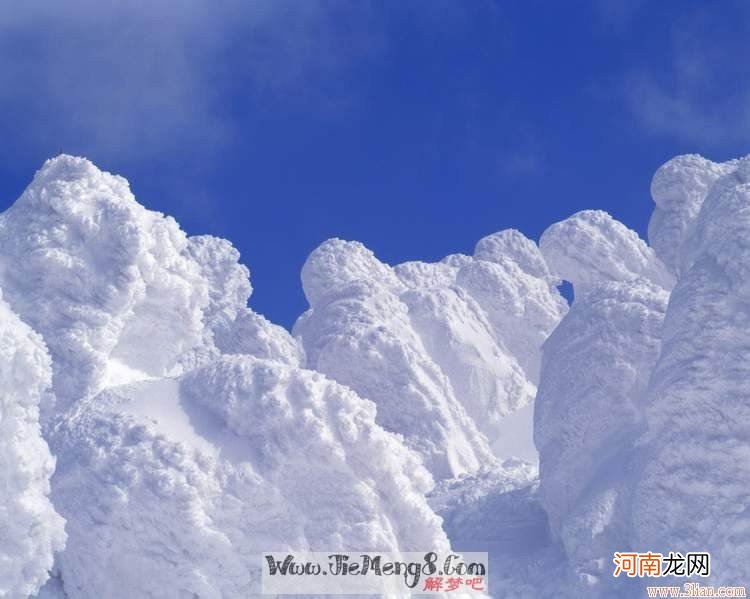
column 189, row 433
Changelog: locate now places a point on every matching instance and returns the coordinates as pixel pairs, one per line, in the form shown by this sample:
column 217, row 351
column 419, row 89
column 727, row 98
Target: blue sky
column 415, row 127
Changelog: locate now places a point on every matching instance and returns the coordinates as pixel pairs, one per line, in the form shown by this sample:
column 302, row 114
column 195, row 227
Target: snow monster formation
column 188, row 437
column 156, row 434
column 692, row 478
column 642, row 416
column 595, row 368
column 447, row 351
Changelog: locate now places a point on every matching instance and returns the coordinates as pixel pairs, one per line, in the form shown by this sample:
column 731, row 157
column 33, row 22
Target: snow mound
column 30, row 529
column 242, row 456
column 514, row 245
column 337, row 263
column 691, row 490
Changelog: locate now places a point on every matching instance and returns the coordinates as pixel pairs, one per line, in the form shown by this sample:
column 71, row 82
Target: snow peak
column 366, row 572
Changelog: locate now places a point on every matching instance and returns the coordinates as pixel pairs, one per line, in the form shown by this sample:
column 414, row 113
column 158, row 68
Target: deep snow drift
column 187, row 433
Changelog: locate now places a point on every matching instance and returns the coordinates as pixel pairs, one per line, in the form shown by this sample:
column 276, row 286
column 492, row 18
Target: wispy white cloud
column 703, row 97
column 130, row 79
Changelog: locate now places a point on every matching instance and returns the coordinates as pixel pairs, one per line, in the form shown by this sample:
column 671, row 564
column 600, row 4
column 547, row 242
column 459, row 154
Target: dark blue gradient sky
column 414, row 127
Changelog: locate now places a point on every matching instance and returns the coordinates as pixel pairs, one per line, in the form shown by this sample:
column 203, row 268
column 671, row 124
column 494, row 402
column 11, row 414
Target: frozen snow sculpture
column 595, row 368
column 691, row 480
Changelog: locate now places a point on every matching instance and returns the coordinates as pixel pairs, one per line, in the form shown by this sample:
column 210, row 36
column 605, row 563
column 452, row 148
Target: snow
column 591, row 247
column 596, row 365
column 98, row 275
column 363, row 339
column 30, row 528
column 497, row 510
column 446, row 350
column 692, row 462
column 678, row 189
column 180, row 484
column 103, row 279
column 157, row 434
column 642, row 406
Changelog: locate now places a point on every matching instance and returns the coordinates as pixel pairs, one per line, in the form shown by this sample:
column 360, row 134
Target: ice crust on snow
column 30, row 529
column 190, row 433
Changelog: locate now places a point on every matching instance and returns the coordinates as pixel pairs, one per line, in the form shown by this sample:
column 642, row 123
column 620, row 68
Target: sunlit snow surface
column 189, row 433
